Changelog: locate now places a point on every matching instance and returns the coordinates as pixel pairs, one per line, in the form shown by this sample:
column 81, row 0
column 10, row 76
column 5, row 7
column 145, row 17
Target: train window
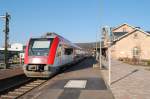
column 41, row 44
column 68, row 51
column 39, row 47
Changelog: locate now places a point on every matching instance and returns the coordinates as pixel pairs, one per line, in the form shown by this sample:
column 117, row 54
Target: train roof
column 50, row 35
column 54, row 35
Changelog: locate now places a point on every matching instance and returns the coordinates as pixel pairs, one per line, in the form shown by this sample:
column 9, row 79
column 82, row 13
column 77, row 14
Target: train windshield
column 39, row 47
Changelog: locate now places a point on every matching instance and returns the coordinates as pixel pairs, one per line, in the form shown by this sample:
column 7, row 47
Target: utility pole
column 6, row 31
column 100, row 51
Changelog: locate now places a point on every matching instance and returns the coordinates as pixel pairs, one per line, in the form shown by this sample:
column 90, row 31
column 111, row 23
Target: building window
column 124, row 30
column 135, row 35
column 136, row 52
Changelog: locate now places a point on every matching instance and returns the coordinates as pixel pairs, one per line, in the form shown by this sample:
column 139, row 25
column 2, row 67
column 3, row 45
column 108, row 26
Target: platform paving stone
column 95, row 87
column 128, row 81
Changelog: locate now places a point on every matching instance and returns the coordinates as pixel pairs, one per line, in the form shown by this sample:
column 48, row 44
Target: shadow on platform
column 84, row 64
column 124, row 76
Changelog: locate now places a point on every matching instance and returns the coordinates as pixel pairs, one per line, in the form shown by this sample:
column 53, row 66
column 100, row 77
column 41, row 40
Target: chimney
column 138, row 27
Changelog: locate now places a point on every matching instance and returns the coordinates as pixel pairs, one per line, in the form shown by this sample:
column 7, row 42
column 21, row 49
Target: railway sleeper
column 26, row 87
column 15, row 93
column 8, row 97
column 31, row 85
column 21, row 90
column 40, row 81
column 36, row 83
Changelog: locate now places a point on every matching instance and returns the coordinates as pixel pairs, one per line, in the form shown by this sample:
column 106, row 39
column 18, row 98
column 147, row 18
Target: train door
column 69, row 55
column 63, row 55
column 58, row 58
column 60, row 54
column 74, row 54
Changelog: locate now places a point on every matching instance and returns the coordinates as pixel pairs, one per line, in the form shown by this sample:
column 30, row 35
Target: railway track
column 22, row 89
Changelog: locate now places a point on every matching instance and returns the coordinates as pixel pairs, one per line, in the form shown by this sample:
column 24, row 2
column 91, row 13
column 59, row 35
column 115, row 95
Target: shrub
column 148, row 62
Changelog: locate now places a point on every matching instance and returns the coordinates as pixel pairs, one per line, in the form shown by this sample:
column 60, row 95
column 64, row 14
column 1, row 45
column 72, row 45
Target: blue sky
column 76, row 20
column 134, row 12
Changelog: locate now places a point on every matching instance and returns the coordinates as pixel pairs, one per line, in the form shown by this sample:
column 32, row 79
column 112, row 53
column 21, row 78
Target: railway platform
column 11, row 72
column 80, row 81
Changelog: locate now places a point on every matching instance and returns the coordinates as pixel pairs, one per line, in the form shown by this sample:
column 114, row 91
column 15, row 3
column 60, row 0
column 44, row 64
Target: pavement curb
column 108, row 87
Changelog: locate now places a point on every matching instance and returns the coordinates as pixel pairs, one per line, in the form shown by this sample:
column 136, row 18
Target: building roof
column 14, row 47
column 10, row 49
column 121, row 37
column 118, row 34
column 148, row 32
column 123, row 25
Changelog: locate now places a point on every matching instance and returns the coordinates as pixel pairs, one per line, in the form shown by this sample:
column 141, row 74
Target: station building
column 130, row 42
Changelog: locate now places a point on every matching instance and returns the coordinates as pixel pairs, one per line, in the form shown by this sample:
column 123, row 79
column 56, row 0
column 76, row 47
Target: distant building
column 17, row 46
column 130, row 42
column 15, row 49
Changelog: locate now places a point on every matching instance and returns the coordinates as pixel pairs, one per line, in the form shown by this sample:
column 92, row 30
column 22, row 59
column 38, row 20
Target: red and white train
column 45, row 55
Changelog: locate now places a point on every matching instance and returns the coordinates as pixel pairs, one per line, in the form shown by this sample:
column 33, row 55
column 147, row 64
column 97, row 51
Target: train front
column 38, row 60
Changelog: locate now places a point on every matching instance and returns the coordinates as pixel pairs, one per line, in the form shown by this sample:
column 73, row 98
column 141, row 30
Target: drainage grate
column 76, row 84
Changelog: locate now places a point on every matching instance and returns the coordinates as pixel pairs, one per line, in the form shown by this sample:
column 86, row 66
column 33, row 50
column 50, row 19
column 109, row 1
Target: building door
column 136, row 55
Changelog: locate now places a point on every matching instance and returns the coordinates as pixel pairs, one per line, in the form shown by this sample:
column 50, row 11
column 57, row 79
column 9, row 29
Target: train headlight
column 46, row 68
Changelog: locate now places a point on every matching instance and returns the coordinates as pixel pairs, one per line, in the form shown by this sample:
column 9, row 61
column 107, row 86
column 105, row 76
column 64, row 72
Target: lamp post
column 109, row 63
column 96, row 47
column 109, row 56
column 6, row 31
